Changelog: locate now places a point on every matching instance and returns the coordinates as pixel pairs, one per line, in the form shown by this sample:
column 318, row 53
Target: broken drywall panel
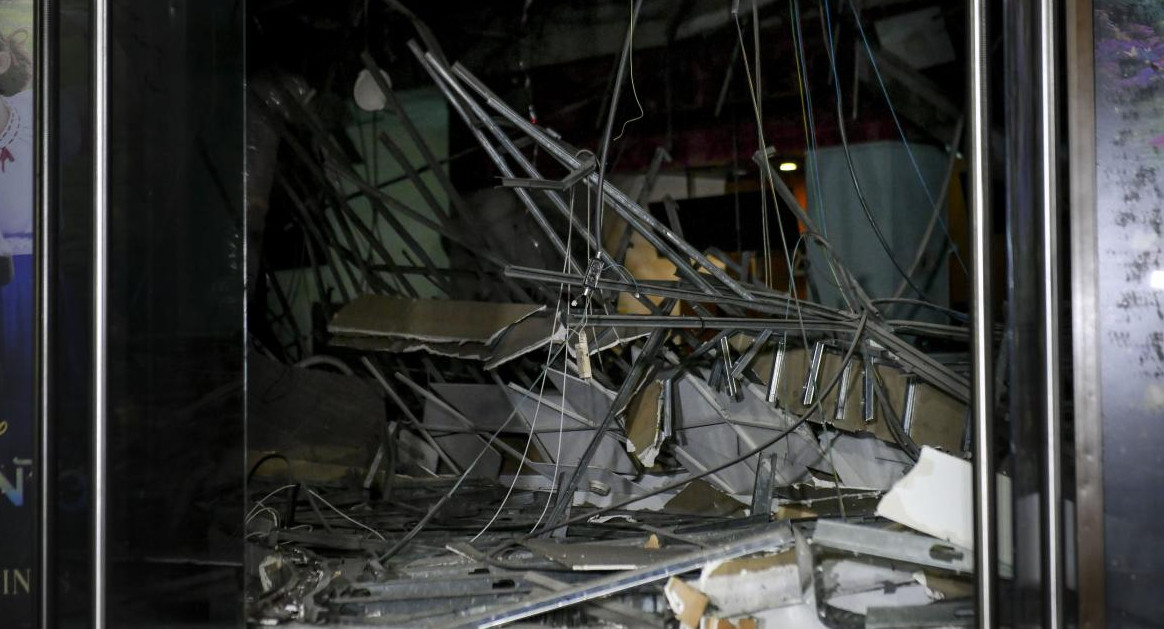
column 587, row 397
column 944, row 588
column 441, row 321
column 844, row 577
column 701, row 449
column 701, row 498
column 707, row 431
column 643, row 262
column 752, row 409
column 891, row 595
column 751, row 584
column 864, row 462
column 461, row 446
column 936, row 498
column 644, row 421
column 692, row 409
column 747, row 585
column 705, row 447
column 686, row 602
column 800, row 616
column 938, row 420
column 729, row 593
column 464, row 451
column 563, row 438
column 493, row 332
column 487, row 405
column 530, row 334
column 463, row 351
column 716, row 622
column 523, row 337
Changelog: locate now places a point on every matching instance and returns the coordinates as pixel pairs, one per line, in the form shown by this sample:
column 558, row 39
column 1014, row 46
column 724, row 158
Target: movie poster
column 17, row 502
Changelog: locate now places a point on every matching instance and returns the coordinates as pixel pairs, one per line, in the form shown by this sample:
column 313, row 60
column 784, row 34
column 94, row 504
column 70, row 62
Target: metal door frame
column 1089, row 504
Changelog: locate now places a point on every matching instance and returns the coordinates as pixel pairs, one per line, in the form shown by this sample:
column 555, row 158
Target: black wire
column 264, row 459
column 856, row 183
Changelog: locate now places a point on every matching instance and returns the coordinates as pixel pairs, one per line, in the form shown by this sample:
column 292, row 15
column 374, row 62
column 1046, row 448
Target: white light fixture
column 1156, row 280
column 367, row 92
column 787, row 167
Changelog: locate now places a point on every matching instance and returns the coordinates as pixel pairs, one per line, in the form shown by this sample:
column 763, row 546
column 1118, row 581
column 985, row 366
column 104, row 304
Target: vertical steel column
column 1052, row 489
column 45, row 79
column 100, row 35
column 985, row 539
column 1088, row 426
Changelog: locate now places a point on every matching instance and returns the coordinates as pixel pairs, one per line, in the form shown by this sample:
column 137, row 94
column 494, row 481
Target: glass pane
column 1129, row 111
column 18, row 499
column 175, row 337
column 69, row 354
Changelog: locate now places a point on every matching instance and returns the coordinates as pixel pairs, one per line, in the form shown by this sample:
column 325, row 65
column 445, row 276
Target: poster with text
column 17, row 293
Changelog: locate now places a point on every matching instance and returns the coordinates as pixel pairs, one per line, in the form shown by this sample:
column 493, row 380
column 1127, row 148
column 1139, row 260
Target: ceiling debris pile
column 561, row 440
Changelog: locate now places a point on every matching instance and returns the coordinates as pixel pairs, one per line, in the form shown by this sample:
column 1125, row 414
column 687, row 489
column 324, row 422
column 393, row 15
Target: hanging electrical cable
column 759, row 104
column 755, row 101
column 440, row 504
column 812, row 159
column 541, row 394
column 901, row 130
column 938, row 206
column 631, row 71
column 852, row 295
column 862, row 201
column 604, row 147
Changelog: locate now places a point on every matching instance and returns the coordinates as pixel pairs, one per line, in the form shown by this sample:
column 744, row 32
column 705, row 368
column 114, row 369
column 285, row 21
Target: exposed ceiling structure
column 555, row 59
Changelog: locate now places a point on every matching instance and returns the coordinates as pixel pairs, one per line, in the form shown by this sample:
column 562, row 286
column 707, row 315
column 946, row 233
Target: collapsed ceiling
column 570, row 413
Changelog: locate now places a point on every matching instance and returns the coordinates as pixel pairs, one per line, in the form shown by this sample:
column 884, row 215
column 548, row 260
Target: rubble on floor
column 727, row 456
